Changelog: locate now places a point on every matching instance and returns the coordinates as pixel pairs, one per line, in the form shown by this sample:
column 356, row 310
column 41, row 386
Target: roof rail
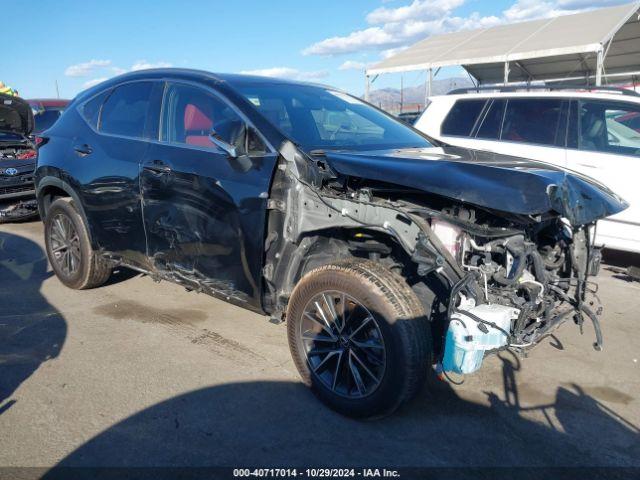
column 529, row 88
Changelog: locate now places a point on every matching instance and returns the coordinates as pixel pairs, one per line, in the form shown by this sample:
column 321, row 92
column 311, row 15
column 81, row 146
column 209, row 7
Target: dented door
column 204, row 215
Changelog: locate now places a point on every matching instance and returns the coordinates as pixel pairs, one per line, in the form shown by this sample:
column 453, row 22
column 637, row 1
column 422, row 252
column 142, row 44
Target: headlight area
column 518, row 286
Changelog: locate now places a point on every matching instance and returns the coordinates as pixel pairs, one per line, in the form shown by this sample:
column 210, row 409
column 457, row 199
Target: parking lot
column 140, row 373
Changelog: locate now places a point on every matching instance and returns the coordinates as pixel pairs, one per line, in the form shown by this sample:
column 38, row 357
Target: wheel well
column 48, row 195
column 323, row 247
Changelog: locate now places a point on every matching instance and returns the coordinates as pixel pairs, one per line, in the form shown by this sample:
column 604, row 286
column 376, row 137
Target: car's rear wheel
column 69, row 249
column 359, row 337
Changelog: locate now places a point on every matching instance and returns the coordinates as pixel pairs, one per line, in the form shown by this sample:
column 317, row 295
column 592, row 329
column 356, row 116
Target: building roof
column 554, row 48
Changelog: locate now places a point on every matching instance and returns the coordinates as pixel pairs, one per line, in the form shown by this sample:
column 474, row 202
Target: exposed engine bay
column 540, row 270
column 17, row 152
column 531, row 270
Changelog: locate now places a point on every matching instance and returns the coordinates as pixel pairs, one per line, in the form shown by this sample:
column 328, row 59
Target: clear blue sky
column 330, row 41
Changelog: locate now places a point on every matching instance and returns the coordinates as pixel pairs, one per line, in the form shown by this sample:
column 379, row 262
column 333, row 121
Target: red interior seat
column 197, row 126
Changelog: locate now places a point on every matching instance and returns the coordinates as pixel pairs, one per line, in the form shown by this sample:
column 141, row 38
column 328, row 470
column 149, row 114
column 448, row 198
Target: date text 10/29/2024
column 316, row 473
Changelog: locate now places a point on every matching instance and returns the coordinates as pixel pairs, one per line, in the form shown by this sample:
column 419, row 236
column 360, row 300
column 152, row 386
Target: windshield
column 318, row 118
column 46, row 117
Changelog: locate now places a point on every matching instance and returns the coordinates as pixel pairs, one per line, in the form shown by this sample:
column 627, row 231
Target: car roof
column 233, row 79
column 596, row 95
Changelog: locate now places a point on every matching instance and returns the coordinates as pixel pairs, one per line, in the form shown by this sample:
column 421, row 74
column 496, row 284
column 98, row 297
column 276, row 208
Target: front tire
column 69, row 249
column 359, row 337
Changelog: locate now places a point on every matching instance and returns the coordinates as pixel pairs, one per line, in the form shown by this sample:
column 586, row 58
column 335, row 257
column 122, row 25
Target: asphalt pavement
column 138, row 373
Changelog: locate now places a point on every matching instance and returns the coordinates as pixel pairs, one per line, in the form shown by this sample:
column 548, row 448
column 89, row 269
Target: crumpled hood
column 498, row 182
column 16, row 115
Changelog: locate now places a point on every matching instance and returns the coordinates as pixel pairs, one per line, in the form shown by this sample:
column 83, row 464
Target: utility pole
column 367, row 88
column 401, row 92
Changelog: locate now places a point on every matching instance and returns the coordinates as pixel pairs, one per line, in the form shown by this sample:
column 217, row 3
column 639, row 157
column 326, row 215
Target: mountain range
column 413, row 97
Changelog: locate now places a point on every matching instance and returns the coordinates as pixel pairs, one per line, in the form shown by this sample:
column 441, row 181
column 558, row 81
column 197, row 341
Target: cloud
column 287, row 72
column 352, row 65
column 106, row 70
column 392, row 28
column 144, row 65
column 396, row 34
column 523, row 10
column 418, row 9
column 95, row 81
column 390, row 52
column 86, row 68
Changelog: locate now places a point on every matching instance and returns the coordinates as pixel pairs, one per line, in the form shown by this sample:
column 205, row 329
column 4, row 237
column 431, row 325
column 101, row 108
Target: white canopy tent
column 601, row 44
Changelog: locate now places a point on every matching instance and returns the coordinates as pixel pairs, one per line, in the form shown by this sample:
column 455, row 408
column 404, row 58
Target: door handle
column 83, row 150
column 158, row 167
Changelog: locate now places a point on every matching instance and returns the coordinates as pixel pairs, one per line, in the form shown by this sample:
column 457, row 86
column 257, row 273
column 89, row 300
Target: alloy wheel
column 65, row 244
column 343, row 344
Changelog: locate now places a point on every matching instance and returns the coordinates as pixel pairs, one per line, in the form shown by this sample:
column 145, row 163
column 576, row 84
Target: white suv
column 593, row 132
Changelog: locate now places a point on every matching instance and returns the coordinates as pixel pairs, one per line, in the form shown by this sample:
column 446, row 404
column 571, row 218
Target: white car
column 596, row 133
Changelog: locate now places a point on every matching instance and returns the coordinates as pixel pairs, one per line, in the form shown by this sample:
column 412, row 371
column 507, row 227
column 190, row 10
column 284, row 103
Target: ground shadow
column 281, row 424
column 31, row 330
column 121, row 274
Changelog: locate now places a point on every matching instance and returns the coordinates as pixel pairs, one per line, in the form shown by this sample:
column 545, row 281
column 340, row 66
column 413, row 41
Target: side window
column 190, row 114
column 534, row 120
column 610, row 128
column 462, row 117
column 492, row 122
column 125, row 111
column 91, row 109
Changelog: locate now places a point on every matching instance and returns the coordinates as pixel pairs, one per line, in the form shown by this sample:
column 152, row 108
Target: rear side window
column 534, row 120
column 462, row 117
column 609, row 128
column 91, row 109
column 125, row 111
column 492, row 122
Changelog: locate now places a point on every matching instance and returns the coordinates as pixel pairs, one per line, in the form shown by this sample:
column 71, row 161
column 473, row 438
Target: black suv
column 17, row 160
column 307, row 204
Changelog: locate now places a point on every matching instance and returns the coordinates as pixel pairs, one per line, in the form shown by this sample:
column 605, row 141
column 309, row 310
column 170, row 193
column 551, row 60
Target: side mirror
column 231, row 150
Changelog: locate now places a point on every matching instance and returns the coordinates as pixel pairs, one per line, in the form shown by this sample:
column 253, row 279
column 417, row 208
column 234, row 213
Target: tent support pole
column 506, row 73
column 599, row 68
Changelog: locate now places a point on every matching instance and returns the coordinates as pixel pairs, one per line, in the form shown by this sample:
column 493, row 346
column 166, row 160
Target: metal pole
column 57, row 90
column 506, row 73
column 430, row 91
column 401, row 92
column 599, row 68
column 367, row 87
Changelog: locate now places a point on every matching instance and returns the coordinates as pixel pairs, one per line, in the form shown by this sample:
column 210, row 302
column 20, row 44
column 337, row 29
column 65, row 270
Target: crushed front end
column 534, row 272
column 509, row 241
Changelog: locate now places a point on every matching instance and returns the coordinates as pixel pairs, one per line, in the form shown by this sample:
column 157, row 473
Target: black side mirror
column 231, row 150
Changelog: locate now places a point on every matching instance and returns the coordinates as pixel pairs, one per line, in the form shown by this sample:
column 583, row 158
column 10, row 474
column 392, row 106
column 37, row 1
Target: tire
column 397, row 352
column 90, row 269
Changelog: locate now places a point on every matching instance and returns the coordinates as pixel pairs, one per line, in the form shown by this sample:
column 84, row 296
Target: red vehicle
column 46, row 111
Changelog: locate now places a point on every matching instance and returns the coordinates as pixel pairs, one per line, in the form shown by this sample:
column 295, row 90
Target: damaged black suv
column 17, row 160
column 385, row 253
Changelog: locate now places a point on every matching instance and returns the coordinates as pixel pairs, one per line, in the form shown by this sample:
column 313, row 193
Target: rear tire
column 69, row 249
column 372, row 366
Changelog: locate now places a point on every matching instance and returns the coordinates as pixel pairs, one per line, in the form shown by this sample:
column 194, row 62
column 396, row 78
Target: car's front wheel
column 69, row 249
column 359, row 337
